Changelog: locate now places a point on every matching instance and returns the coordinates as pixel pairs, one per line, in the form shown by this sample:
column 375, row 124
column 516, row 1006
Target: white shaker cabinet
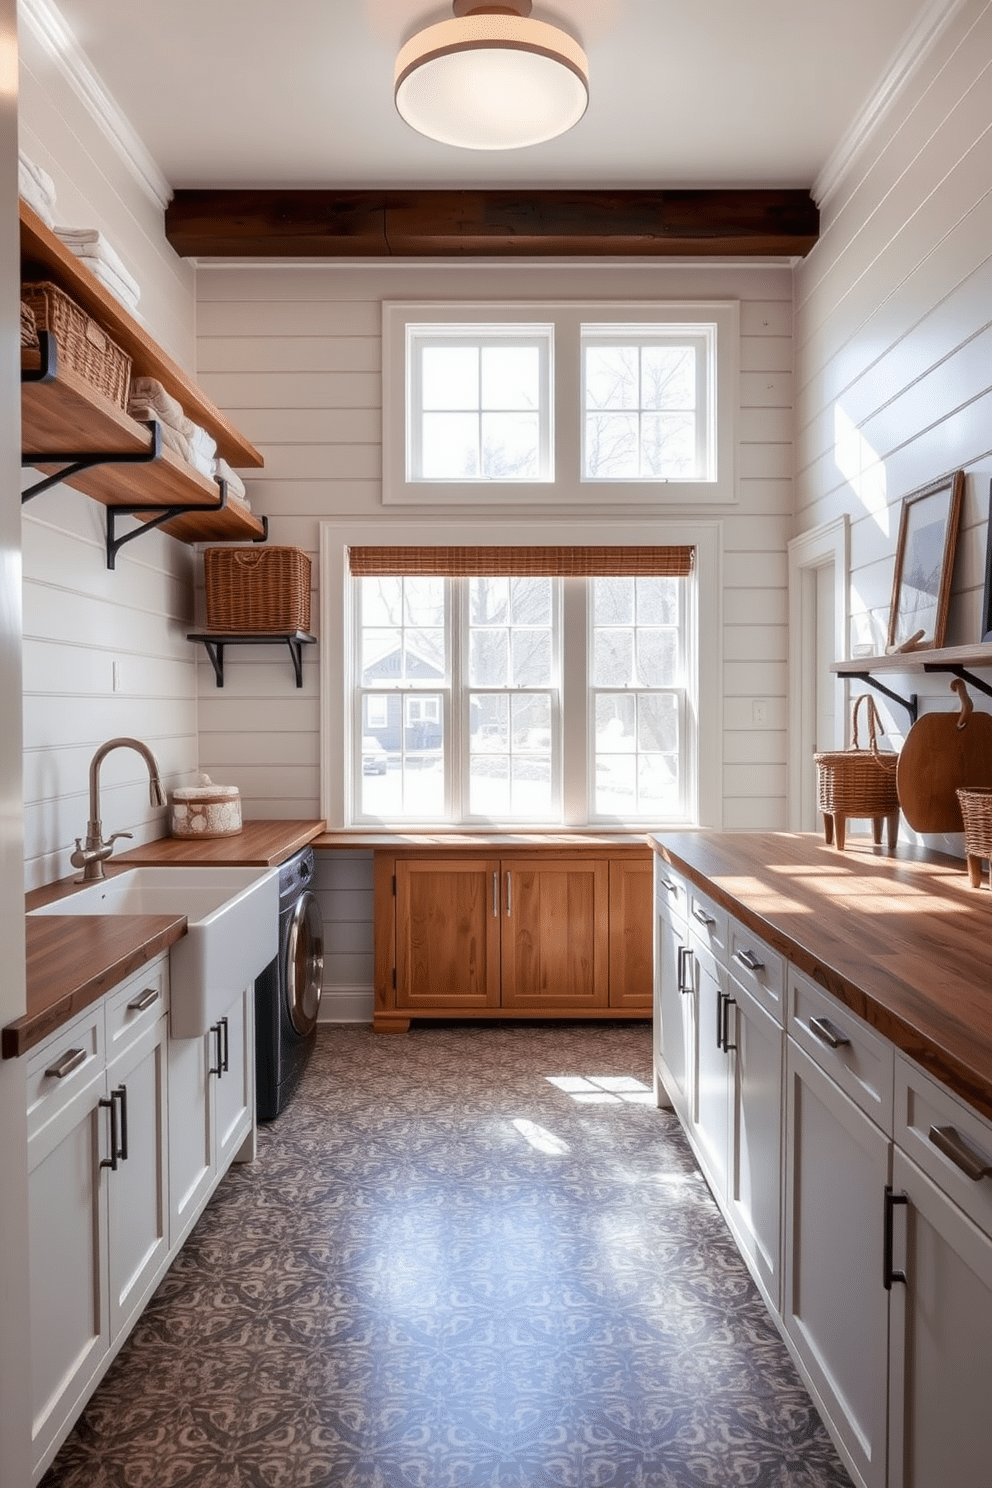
column 940, row 1274
column 674, row 996
column 211, row 1090
column 97, row 1197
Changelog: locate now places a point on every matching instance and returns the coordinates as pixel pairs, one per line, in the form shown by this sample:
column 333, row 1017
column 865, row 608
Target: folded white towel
column 106, row 275
column 34, row 195
column 90, row 241
column 170, row 436
column 202, row 449
column 168, row 410
column 235, row 485
column 42, row 181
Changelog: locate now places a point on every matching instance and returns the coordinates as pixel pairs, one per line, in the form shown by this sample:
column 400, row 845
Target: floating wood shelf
column 958, row 661
column 216, row 640
column 72, row 432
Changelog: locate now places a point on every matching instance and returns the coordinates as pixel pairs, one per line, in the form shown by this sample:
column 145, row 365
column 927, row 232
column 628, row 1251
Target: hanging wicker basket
column 858, row 782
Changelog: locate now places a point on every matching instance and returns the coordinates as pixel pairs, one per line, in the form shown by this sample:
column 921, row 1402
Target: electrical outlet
column 759, row 713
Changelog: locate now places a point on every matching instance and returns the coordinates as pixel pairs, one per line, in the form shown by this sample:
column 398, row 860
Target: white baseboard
column 346, row 1004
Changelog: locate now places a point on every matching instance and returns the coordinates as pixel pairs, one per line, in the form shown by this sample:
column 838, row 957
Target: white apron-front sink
column 232, row 929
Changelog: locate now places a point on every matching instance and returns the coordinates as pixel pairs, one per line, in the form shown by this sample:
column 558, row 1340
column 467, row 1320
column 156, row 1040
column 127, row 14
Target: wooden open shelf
column 958, row 661
column 68, row 414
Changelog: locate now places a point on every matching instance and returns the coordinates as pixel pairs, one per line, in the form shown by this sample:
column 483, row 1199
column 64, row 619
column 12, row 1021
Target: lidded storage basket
column 206, row 809
column 857, row 782
column 82, row 344
column 257, row 589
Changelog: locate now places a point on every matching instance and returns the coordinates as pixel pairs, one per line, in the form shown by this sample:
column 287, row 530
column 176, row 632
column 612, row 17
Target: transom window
column 571, row 403
column 479, row 400
column 461, row 713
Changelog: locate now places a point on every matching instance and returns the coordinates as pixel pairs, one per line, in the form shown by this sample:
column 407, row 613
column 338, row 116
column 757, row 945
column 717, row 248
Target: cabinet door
column 234, row 1088
column 674, row 1008
column 940, row 1349
column 710, row 1112
column 754, row 1180
column 70, row 1312
column 447, row 933
column 138, row 1190
column 631, row 915
column 835, row 1308
column 191, row 1132
column 555, row 934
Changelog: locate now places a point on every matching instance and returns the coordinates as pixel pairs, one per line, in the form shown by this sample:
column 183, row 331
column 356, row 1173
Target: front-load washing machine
column 287, row 994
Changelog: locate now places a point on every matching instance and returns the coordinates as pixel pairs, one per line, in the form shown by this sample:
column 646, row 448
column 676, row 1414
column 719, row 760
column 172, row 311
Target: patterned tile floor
column 467, row 1257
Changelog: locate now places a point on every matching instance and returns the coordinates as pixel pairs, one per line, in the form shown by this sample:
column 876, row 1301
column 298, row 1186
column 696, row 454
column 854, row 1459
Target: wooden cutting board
column 941, row 752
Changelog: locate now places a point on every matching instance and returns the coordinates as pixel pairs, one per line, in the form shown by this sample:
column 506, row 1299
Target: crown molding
column 58, row 40
column 921, row 37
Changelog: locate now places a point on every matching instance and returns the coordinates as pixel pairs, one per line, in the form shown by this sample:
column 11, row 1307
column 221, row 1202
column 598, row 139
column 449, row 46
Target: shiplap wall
column 893, row 335
column 80, row 618
column 293, row 354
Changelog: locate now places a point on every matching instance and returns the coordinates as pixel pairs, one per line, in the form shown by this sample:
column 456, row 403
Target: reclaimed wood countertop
column 74, row 959
column 483, row 840
column 898, row 935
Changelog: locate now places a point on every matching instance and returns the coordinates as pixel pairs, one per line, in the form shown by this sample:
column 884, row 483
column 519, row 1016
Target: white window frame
column 720, row 318
column 703, row 752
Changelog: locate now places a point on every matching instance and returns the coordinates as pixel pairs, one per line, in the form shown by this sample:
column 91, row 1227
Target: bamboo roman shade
column 511, row 562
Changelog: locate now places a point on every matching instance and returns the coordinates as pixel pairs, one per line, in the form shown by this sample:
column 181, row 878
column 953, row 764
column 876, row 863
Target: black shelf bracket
column 959, row 671
column 162, row 514
column 48, row 360
column 75, row 461
column 215, row 641
column 910, row 703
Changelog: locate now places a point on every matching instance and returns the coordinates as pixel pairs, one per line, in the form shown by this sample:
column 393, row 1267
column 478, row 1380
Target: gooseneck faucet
column 95, row 853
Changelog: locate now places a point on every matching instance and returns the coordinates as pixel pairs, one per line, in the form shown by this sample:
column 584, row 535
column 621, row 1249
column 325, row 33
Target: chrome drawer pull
column 949, row 1141
column 143, row 1000
column 684, row 954
column 666, row 883
column 749, row 959
column 703, row 917
column 827, row 1033
column 71, row 1060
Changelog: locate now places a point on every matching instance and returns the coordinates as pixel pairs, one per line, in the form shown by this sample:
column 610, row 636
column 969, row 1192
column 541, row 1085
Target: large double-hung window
column 538, row 686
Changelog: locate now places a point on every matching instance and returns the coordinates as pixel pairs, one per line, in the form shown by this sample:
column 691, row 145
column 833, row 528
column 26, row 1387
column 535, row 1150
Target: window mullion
column 576, row 720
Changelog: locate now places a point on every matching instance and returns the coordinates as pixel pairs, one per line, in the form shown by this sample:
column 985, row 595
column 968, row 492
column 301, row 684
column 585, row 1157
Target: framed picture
column 921, row 585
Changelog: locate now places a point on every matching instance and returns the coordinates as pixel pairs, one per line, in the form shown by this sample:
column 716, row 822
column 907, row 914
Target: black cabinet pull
column 728, row 1003
column 889, row 1275
column 120, row 1094
column 720, row 995
column 218, row 1068
column 111, row 1161
column 227, row 1048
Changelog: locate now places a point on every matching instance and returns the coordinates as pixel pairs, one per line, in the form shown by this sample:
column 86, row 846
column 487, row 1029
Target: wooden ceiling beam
column 500, row 224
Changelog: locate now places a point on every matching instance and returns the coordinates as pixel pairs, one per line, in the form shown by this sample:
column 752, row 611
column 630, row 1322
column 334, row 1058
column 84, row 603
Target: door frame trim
column 825, row 546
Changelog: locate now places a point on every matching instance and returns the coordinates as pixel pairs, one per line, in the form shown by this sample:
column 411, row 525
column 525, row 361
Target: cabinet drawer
column 843, row 1045
column 757, row 967
column 709, row 923
column 136, row 1004
column 671, row 893
column 63, row 1065
column 946, row 1138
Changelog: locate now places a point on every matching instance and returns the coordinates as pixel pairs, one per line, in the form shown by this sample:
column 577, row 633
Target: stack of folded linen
column 235, row 485
column 37, row 188
column 91, row 247
column 149, row 400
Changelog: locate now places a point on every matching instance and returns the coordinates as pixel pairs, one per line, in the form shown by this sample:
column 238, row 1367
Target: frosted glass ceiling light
column 492, row 79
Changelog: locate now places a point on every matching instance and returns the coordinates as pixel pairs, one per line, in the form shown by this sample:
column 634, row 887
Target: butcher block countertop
column 74, row 959
column 897, row 935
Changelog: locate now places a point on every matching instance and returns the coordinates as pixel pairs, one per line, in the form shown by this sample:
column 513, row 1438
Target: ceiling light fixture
column 492, row 79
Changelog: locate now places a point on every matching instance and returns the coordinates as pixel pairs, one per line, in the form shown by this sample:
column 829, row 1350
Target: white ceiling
column 705, row 93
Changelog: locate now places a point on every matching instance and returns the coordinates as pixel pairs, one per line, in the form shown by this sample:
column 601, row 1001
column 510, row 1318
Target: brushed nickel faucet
column 92, row 857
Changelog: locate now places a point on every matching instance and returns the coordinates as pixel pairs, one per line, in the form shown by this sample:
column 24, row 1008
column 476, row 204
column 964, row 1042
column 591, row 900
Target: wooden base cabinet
column 97, row 1193
column 534, row 934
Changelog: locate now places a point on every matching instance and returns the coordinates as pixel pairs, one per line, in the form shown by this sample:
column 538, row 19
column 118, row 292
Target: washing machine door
column 304, row 963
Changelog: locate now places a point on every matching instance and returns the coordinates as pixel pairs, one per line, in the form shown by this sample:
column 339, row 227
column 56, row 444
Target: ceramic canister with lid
column 205, row 809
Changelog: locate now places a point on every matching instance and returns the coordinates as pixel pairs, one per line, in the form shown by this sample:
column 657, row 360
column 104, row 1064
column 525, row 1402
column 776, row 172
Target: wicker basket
column 258, row 589
column 858, row 782
column 29, row 329
column 83, row 345
column 976, row 812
